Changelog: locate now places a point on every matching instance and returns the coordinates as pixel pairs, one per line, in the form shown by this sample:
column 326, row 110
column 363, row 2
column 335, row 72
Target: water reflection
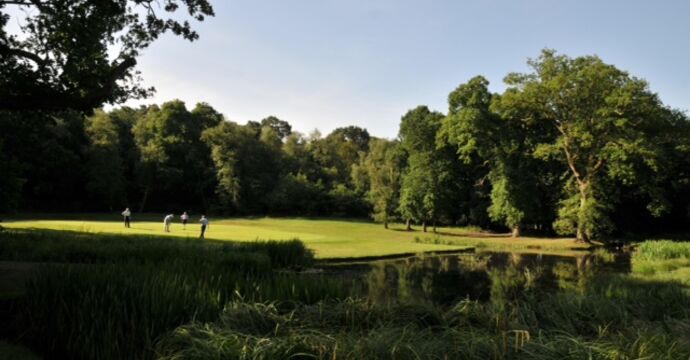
column 449, row 278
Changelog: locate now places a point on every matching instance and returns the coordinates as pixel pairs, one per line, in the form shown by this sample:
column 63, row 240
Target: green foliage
column 81, row 54
column 382, row 168
column 484, row 133
column 106, row 185
column 607, row 124
column 10, row 182
column 425, row 181
column 588, row 215
column 662, row 250
column 173, row 158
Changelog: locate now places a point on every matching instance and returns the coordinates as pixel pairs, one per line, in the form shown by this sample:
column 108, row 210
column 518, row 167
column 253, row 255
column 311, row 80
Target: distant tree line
column 576, row 146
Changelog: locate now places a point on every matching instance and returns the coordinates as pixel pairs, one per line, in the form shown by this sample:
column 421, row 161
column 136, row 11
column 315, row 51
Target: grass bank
column 663, row 260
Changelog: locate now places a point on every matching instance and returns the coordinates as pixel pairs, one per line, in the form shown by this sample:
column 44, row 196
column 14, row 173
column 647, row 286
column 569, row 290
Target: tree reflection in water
column 448, row 278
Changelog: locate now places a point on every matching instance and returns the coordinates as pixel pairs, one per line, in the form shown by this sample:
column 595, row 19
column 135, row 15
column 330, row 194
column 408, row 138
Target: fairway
column 328, row 238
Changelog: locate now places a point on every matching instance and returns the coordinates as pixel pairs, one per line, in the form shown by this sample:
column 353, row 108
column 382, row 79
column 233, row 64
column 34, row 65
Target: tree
column 61, row 59
column 173, row 158
column 281, row 127
column 106, row 181
column 10, row 182
column 45, row 154
column 338, row 152
column 247, row 167
column 382, row 167
column 499, row 143
column 602, row 120
column 353, row 134
column 421, row 196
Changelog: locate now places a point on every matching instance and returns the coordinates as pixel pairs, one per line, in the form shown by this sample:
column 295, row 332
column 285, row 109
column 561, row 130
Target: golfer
column 184, row 217
column 166, row 222
column 126, row 214
column 204, row 226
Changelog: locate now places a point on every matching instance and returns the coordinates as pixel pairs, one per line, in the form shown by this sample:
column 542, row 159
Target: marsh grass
column 611, row 319
column 662, row 257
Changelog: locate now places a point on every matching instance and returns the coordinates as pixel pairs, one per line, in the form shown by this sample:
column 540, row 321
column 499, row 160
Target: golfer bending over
column 166, row 222
column 204, row 226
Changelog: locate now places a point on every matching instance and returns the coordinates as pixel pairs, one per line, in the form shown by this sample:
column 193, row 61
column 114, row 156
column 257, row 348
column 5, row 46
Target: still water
column 444, row 279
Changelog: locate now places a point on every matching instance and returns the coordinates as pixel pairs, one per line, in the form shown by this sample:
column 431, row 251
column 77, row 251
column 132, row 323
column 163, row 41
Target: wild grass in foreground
column 173, row 299
column 111, row 297
column 593, row 316
column 611, row 318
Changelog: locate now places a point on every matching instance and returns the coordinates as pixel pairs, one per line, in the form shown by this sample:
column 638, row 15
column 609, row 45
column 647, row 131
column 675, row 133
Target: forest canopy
column 575, row 146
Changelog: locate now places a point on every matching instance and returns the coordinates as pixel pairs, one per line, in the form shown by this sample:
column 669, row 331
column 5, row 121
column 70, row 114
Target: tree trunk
column 424, row 225
column 408, row 227
column 434, row 226
column 385, row 224
column 516, row 231
column 581, row 235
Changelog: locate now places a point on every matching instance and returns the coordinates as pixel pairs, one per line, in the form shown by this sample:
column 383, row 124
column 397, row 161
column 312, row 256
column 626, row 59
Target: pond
column 445, row 279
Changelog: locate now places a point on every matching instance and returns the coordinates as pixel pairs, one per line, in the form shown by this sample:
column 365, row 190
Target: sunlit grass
column 663, row 260
column 327, row 238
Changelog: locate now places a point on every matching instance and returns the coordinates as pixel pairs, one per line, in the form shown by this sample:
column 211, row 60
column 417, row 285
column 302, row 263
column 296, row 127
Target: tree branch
column 24, row 3
column 23, row 53
column 571, row 160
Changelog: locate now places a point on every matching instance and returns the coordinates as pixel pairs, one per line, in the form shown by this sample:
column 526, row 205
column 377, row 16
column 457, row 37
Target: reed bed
column 662, row 256
column 602, row 322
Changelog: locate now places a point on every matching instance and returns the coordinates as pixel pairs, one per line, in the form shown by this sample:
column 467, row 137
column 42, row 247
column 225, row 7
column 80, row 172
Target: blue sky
column 323, row 63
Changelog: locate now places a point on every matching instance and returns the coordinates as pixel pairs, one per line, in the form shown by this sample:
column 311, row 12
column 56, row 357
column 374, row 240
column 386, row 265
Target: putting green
column 328, row 238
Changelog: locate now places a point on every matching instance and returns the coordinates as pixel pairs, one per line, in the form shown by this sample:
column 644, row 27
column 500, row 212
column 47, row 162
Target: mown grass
column 328, row 238
column 509, row 244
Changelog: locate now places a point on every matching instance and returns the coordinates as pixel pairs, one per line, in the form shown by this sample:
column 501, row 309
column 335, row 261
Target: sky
column 326, row 64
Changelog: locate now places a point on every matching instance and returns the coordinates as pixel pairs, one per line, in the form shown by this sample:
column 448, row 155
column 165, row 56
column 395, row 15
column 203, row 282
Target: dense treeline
column 576, row 146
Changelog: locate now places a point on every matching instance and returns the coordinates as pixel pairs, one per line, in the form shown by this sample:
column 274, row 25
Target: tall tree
column 382, row 168
column 602, row 118
column 173, row 158
column 421, row 196
column 106, row 181
column 501, row 144
column 246, row 166
column 62, row 58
